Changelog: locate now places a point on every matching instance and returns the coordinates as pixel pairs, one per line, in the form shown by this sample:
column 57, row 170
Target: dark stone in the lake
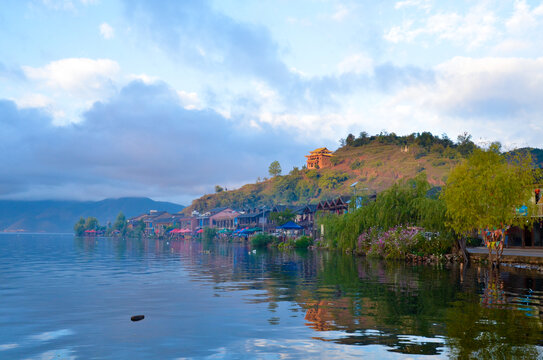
column 137, row 317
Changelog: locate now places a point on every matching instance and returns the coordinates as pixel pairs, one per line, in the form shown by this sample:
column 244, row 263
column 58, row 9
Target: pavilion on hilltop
column 319, row 158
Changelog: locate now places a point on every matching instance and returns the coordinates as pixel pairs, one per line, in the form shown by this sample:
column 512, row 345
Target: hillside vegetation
column 374, row 162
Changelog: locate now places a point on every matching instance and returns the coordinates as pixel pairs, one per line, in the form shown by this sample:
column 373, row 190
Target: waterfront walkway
column 526, row 256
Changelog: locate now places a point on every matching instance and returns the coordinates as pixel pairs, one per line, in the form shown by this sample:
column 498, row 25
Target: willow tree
column 484, row 193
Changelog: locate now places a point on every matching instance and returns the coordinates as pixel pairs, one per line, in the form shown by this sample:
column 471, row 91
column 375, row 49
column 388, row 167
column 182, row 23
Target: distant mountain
column 60, row 216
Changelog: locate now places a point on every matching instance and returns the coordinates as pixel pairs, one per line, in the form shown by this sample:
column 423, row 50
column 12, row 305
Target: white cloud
column 72, row 86
column 422, row 4
column 107, row 31
column 33, row 100
column 472, row 29
column 341, row 13
column 495, row 98
column 356, row 64
column 524, row 18
column 146, row 79
column 79, row 75
column 189, row 100
column 59, row 4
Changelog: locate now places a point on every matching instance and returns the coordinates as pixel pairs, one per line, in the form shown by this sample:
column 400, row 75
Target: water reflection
column 226, row 300
column 409, row 309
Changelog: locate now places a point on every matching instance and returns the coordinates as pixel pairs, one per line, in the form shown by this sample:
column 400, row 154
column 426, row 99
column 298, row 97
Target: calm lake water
column 72, row 298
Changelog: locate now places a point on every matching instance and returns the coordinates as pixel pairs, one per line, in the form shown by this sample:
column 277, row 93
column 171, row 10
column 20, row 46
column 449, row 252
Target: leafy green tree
column 465, row 145
column 282, row 217
column 79, row 227
column 92, row 223
column 275, row 168
column 350, row 140
column 218, row 188
column 483, row 192
column 209, row 234
column 139, row 228
column 120, row 223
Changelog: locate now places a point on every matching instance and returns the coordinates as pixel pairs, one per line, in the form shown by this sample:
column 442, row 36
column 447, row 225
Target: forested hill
column 373, row 162
column 60, row 216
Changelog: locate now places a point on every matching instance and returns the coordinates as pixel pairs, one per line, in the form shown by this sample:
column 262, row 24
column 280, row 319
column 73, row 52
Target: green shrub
column 303, row 242
column 421, row 154
column 262, row 240
column 209, row 234
column 357, row 164
column 331, row 180
column 287, row 244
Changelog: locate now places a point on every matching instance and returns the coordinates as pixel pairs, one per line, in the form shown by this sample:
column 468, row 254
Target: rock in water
column 137, row 317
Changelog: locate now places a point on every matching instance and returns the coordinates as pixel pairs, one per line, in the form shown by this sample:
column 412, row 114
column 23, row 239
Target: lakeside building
column 186, row 222
column 337, row 206
column 157, row 222
column 256, row 217
column 528, row 237
column 226, row 218
column 319, row 158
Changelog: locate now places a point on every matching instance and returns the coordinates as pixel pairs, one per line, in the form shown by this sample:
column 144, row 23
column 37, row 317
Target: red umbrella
column 200, row 231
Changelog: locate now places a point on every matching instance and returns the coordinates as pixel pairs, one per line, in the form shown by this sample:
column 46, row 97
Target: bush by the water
column 405, row 204
column 303, row 242
column 262, row 240
column 209, row 234
column 398, row 241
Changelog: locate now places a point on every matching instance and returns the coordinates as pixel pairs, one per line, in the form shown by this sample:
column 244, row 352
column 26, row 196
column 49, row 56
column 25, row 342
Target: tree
column 465, row 145
column 275, row 168
column 120, row 223
column 79, row 227
column 350, row 140
column 139, row 228
column 92, row 223
column 282, row 217
column 483, row 192
column 218, row 188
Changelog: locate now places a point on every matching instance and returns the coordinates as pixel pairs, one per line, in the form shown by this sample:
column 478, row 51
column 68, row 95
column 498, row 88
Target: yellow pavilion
column 319, row 158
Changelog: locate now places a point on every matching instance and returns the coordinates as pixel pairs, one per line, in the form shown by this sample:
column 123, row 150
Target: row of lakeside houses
column 157, row 222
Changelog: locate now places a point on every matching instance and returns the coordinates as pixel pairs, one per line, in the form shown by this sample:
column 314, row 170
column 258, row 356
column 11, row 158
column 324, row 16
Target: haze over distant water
column 60, row 216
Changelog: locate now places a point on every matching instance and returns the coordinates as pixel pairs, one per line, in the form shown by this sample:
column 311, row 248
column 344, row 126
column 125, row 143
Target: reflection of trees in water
column 390, row 299
column 481, row 332
column 489, row 325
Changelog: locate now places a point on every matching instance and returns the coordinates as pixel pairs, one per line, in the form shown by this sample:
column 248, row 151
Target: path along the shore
column 510, row 252
column 529, row 257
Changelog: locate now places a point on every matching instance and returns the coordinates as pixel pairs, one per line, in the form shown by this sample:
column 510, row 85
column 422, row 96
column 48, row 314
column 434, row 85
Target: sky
column 166, row 99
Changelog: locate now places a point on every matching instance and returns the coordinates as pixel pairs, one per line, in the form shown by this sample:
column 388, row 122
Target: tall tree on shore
column 79, row 227
column 275, row 168
column 120, row 223
column 483, row 192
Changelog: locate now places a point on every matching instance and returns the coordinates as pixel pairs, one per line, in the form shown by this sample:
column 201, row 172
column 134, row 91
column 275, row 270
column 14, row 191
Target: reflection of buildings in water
column 326, row 315
column 509, row 289
column 318, row 316
column 494, row 294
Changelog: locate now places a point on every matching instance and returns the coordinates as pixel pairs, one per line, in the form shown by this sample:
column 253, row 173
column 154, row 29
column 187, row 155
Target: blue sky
column 168, row 98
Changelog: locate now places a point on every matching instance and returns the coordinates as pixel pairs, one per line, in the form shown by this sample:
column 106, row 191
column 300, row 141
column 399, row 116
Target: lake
column 72, row 298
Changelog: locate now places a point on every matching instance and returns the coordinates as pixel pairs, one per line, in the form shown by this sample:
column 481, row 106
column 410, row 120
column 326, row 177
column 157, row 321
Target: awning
column 291, row 225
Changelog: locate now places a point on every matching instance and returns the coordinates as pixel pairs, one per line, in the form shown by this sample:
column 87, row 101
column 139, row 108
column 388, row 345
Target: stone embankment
column 518, row 258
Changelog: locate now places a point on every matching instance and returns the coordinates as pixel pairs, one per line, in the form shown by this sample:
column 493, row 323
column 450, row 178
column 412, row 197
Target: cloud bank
column 141, row 141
